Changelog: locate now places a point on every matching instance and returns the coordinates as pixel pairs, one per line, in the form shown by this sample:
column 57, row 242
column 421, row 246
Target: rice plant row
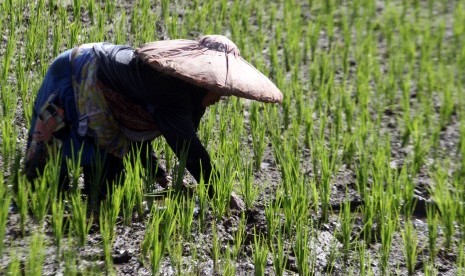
column 368, row 145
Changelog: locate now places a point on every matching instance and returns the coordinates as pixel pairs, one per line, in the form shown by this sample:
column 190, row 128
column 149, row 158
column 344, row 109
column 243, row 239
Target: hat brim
column 217, row 68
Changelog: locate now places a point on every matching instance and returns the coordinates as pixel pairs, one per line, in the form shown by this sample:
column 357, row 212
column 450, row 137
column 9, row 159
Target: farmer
column 100, row 100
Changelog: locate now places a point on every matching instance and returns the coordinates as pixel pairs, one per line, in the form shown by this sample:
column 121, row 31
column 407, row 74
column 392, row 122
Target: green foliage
column 59, row 223
column 302, row 247
column 80, row 223
column 4, row 208
column 249, row 189
column 260, row 253
column 36, row 256
column 409, row 236
column 375, row 91
column 215, row 247
column 442, row 196
column 258, row 130
column 185, row 215
column 239, row 237
column 106, row 232
column 433, row 222
column 40, row 196
column 280, row 258
column 347, row 221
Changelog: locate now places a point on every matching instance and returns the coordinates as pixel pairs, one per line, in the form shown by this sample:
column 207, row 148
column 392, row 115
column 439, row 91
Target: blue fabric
column 58, row 80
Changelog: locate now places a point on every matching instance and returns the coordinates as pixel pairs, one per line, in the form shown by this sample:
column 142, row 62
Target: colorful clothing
column 109, row 100
column 103, row 114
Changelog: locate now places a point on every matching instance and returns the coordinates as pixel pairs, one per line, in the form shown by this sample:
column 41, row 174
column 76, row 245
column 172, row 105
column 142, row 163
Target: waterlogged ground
column 324, row 241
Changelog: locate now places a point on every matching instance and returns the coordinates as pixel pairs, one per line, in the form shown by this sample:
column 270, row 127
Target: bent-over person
column 100, row 100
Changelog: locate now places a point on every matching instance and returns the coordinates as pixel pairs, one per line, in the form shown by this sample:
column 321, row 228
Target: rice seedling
column 39, row 197
column 203, row 199
column 90, row 10
column 258, row 130
column 73, row 165
column 249, row 189
column 313, row 195
column 120, row 36
column 347, row 221
column 185, row 215
column 356, row 75
column 77, row 8
column 14, row 267
column 272, row 216
column 429, row 269
column 110, row 8
column 239, row 236
column 132, row 188
column 444, row 200
column 8, row 131
column 332, row 256
column 58, row 221
column 4, row 208
column 409, row 236
column 95, row 177
column 361, row 171
column 106, row 232
column 421, row 146
column 432, row 218
column 157, row 247
column 461, row 217
column 215, row 248
column 223, row 184
column 302, row 247
column 363, row 259
column 109, row 211
column 228, row 266
column 70, row 256
column 7, row 57
column 21, row 200
column 295, row 207
column 328, row 166
column 146, row 243
column 462, row 148
column 80, row 223
column 175, row 253
column 128, row 204
column 280, row 258
column 461, row 259
column 23, row 87
column 160, row 229
column 36, row 257
column 169, row 221
column 406, row 187
column 388, row 226
column 289, row 166
column 260, row 254
column 368, row 213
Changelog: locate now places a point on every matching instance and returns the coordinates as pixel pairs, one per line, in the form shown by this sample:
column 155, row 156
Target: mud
column 126, row 249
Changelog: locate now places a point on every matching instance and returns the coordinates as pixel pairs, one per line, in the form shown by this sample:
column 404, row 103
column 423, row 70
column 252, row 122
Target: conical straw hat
column 213, row 62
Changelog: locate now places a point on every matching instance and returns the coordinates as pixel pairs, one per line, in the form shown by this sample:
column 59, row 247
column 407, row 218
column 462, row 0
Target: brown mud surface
column 126, row 248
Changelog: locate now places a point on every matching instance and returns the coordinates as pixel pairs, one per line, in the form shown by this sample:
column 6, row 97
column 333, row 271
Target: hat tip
column 219, row 43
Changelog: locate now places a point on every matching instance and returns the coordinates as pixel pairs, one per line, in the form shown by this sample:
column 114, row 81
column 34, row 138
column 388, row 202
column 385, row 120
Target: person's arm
column 176, row 125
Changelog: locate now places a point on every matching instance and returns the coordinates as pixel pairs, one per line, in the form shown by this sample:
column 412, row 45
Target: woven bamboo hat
column 212, row 62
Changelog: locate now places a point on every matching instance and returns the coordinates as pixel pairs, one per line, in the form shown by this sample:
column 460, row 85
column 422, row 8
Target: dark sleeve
column 176, row 125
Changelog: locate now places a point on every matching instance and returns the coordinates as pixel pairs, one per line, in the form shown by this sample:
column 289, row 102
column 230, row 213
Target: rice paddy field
column 360, row 171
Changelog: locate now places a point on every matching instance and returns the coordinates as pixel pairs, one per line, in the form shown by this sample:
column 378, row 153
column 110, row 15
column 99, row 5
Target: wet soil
column 126, row 249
